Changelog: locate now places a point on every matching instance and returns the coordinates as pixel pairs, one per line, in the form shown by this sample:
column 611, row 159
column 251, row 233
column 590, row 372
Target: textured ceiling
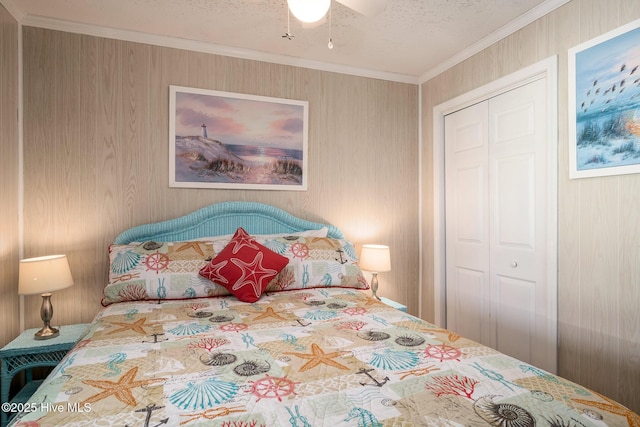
column 409, row 38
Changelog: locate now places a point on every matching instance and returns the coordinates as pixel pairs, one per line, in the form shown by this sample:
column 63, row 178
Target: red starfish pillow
column 244, row 267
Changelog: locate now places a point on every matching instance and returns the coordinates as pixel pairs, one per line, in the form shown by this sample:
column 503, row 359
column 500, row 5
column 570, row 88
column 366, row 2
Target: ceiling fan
column 310, row 11
column 313, row 12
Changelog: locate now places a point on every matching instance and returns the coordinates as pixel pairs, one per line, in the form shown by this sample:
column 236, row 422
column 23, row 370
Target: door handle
column 514, row 264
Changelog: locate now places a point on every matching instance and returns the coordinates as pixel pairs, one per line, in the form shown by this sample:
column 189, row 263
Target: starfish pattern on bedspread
column 137, row 326
column 269, row 312
column 120, row 389
column 318, row 357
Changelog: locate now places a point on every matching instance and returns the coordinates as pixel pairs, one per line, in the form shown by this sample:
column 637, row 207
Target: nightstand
column 394, row 304
column 25, row 353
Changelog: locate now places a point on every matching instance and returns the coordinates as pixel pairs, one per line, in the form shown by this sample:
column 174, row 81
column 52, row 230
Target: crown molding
column 211, row 48
column 216, row 49
column 517, row 24
column 17, row 14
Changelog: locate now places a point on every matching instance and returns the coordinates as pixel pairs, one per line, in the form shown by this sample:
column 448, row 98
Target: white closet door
column 496, row 225
column 467, row 223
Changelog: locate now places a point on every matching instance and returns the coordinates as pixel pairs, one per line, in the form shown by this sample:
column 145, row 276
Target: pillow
column 322, row 232
column 244, row 267
column 153, row 270
column 220, row 242
column 316, row 262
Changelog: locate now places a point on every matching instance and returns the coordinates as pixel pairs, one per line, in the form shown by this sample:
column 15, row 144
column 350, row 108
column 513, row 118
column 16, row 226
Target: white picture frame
column 604, row 104
column 236, row 141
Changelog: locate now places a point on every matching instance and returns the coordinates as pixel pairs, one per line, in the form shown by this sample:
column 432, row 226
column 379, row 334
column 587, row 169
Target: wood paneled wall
column 96, row 154
column 598, row 219
column 9, row 177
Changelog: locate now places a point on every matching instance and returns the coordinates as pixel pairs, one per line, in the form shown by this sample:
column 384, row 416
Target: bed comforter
column 316, row 357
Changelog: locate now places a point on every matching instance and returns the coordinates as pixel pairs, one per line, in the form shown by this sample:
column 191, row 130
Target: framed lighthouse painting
column 236, row 141
column 604, row 104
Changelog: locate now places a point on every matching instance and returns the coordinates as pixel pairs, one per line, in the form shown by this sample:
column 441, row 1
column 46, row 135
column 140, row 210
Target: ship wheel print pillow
column 159, row 270
column 244, row 267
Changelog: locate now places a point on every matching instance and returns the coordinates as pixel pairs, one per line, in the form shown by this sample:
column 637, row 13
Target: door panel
column 515, row 316
column 469, row 195
column 515, row 207
column 513, row 122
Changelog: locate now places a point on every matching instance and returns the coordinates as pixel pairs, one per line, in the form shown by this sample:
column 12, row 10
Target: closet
column 498, row 289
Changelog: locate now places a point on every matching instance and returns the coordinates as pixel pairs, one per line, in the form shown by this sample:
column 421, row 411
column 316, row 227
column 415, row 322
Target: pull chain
column 330, row 44
column 288, row 34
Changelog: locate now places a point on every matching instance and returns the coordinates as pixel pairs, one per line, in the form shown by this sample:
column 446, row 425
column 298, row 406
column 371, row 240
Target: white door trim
column 545, row 68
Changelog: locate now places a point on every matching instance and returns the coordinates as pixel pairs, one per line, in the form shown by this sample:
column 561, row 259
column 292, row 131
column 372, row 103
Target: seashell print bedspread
column 317, row 357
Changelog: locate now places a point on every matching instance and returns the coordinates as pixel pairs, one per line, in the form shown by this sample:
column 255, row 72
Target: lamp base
column 46, row 313
column 374, row 285
column 46, row 333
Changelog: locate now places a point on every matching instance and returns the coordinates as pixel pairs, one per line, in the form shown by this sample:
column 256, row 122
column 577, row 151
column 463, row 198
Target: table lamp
column 43, row 275
column 376, row 259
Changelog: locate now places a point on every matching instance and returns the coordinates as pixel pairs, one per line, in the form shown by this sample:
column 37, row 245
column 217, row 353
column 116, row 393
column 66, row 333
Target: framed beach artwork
column 604, row 104
column 236, row 141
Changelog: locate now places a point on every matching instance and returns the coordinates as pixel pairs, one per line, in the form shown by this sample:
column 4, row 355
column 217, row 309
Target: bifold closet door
column 496, row 214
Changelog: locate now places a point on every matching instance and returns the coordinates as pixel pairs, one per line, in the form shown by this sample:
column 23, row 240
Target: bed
column 196, row 332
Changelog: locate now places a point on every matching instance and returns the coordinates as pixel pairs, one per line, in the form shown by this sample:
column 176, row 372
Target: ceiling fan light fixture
column 309, row 10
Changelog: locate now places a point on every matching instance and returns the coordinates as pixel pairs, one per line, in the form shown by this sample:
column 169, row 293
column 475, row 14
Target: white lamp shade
column 44, row 274
column 309, row 10
column 375, row 258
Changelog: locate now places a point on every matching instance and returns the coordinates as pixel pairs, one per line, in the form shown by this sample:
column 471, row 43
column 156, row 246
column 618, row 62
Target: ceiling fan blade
column 366, row 7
